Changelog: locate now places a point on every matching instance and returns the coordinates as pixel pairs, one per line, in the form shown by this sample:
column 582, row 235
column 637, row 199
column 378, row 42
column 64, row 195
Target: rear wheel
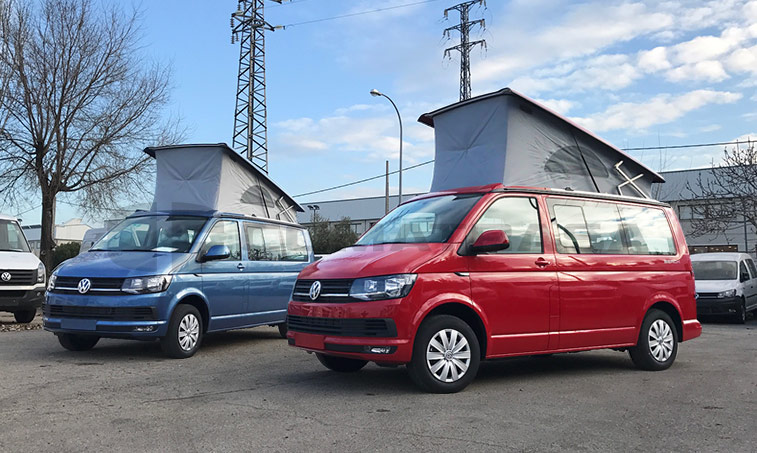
column 74, row 342
column 657, row 347
column 25, row 316
column 184, row 333
column 340, row 364
column 446, row 355
column 283, row 329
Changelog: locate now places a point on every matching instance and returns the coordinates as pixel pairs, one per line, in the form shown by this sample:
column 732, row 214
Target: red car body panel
column 531, row 303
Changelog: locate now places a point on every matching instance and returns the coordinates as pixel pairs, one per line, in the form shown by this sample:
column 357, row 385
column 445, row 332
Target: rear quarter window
column 647, row 230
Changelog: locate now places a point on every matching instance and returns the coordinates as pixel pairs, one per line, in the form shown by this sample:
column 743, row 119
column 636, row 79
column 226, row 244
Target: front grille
column 19, row 278
column 708, row 295
column 343, row 327
column 332, row 291
column 100, row 286
column 104, row 313
column 12, row 294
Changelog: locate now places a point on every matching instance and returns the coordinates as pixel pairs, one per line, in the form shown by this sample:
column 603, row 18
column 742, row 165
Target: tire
column 740, row 316
column 184, row 334
column 340, row 364
column 435, row 367
column 283, row 330
column 661, row 353
column 25, row 316
column 74, row 342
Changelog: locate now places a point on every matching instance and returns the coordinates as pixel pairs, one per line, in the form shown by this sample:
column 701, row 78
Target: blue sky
column 637, row 73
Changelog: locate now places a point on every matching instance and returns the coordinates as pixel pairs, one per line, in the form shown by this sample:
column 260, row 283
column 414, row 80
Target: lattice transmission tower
column 248, row 27
column 466, row 45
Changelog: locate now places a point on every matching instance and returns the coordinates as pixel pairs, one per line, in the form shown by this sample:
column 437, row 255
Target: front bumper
column 126, row 316
column 370, row 331
column 27, row 298
column 713, row 306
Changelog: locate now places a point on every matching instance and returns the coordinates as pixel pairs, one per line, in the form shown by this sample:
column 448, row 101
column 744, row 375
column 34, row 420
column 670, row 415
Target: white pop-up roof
column 212, row 177
column 507, row 138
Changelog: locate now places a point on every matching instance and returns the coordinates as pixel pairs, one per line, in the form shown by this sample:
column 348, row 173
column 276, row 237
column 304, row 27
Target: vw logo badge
column 315, row 290
column 84, row 285
column 6, row 277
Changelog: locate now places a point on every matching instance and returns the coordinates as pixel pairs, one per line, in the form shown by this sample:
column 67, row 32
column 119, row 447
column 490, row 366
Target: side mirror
column 490, row 241
column 215, row 253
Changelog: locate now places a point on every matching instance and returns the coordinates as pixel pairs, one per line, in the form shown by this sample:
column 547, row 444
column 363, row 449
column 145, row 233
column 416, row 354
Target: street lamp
column 377, row 93
column 314, row 208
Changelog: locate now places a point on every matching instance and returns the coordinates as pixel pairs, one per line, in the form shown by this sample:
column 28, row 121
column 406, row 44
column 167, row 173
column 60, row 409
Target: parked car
column 176, row 276
column 726, row 284
column 22, row 275
column 451, row 278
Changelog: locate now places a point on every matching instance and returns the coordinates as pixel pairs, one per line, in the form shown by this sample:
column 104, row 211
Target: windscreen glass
column 422, row 221
column 173, row 234
column 715, row 270
column 11, row 237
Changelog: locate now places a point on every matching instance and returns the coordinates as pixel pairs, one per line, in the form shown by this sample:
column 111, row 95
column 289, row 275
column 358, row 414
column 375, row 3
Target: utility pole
column 248, row 27
column 386, row 193
column 466, row 45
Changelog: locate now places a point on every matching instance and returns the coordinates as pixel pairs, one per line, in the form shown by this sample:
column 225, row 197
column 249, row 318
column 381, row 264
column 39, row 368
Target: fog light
column 379, row 349
column 144, row 328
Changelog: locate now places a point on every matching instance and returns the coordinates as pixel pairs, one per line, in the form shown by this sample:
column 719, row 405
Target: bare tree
column 81, row 103
column 726, row 195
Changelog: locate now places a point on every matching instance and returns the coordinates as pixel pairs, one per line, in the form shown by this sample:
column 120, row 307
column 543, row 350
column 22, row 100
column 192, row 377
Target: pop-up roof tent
column 507, row 138
column 215, row 178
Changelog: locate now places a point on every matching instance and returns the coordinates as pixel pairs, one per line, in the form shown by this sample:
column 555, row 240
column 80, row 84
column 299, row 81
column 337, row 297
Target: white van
column 22, row 275
column 726, row 284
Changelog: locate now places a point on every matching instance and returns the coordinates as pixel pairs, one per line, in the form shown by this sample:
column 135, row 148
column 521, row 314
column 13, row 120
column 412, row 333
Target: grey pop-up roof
column 212, row 177
column 505, row 137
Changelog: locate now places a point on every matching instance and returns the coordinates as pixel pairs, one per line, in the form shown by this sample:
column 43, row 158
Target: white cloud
column 605, row 72
column 660, row 109
column 711, row 71
column 561, row 106
column 654, row 60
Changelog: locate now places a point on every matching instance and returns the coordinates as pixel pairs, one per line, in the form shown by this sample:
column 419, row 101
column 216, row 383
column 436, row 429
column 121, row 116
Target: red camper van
column 455, row 277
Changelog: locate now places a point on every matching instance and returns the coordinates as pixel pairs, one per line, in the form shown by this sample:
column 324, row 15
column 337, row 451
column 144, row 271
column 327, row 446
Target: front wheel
column 340, row 364
column 740, row 317
column 184, row 333
column 283, row 329
column 446, row 355
column 74, row 342
column 657, row 347
column 25, row 316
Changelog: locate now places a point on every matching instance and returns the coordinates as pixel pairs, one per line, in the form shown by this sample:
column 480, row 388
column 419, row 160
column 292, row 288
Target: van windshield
column 715, row 270
column 11, row 237
column 423, row 221
column 173, row 234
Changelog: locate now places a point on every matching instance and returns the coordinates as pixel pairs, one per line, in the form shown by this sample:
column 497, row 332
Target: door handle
column 240, row 266
column 541, row 262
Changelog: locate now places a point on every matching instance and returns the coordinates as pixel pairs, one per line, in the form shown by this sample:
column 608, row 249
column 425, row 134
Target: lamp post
column 377, row 93
column 314, row 208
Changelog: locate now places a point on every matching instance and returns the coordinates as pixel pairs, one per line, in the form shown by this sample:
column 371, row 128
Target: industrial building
column 679, row 191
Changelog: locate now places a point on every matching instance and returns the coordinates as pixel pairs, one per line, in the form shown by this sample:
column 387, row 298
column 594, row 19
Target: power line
column 359, row 13
column 466, row 45
column 699, row 145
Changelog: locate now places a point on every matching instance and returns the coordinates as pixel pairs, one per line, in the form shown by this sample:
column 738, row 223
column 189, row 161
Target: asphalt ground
column 248, row 391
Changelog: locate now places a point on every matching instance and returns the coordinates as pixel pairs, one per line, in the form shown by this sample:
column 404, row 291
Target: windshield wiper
column 11, row 250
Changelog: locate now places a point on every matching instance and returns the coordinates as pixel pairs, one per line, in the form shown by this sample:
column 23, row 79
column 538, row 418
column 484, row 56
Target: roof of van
column 215, row 214
column 540, row 190
column 8, row 217
column 720, row 256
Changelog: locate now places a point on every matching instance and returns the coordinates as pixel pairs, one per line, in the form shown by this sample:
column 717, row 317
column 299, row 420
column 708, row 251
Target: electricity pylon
column 465, row 46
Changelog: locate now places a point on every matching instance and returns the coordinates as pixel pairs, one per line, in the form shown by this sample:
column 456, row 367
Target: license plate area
column 78, row 324
column 306, row 340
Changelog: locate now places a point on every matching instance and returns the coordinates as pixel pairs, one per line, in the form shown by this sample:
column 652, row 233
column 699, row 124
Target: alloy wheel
column 189, row 332
column 448, row 355
column 660, row 340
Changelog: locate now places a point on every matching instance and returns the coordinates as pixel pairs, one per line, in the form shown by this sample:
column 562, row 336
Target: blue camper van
column 175, row 274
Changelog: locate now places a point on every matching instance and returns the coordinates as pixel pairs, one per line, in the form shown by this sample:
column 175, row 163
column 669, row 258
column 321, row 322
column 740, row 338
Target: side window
column 588, row 227
column 255, row 243
column 519, row 218
column 225, row 233
column 273, row 243
column 294, row 244
column 752, row 267
column 648, row 231
column 743, row 272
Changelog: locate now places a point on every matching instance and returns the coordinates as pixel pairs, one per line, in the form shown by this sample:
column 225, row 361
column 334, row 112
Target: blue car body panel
column 232, row 293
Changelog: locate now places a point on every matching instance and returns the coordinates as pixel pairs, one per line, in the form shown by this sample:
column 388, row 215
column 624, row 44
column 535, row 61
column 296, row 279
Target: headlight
column 41, row 273
column 51, row 282
column 725, row 294
column 144, row 285
column 379, row 288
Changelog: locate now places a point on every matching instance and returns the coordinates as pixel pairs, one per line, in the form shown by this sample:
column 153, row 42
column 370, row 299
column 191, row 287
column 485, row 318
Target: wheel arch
column 466, row 313
column 200, row 304
column 672, row 311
